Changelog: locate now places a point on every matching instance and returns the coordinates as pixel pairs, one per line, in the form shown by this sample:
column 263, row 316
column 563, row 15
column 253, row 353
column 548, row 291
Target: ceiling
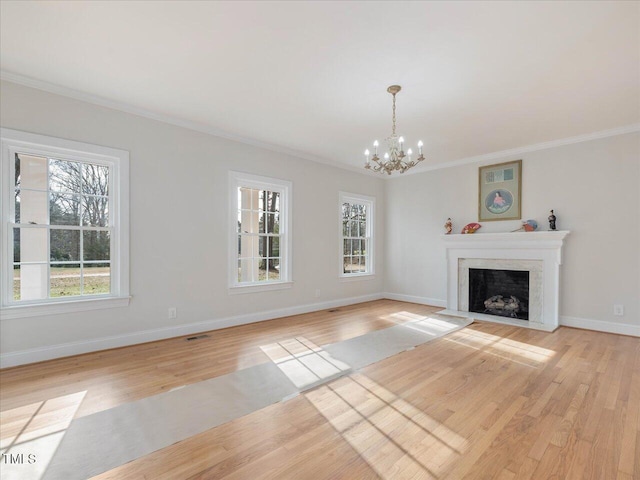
column 311, row 77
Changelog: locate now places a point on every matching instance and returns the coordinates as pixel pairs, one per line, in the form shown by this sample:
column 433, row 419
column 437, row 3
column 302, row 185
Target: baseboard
column 600, row 326
column 414, row 299
column 23, row 357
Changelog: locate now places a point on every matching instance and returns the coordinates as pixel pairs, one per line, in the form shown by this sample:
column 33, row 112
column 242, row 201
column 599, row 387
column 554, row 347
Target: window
column 65, row 232
column 260, row 240
column 356, row 226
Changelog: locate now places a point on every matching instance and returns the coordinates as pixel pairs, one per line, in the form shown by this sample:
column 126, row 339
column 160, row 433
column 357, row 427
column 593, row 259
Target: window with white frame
column 356, row 226
column 65, row 224
column 260, row 240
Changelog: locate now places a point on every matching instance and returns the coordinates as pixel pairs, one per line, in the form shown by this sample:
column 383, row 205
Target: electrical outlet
column 618, row 310
column 172, row 313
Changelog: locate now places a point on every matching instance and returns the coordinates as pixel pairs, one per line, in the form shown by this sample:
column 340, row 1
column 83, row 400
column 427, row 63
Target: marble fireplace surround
column 539, row 253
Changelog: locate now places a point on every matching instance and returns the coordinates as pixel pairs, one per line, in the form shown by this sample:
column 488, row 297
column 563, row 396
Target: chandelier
column 395, row 158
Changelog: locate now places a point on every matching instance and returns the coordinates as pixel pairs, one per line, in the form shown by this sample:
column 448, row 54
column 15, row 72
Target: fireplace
column 499, row 292
column 528, row 266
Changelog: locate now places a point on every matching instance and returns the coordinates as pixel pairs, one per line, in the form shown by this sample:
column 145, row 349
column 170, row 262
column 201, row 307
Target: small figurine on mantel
column 448, row 226
column 552, row 221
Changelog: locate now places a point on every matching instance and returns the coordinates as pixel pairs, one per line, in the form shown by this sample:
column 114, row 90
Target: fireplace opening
column 499, row 292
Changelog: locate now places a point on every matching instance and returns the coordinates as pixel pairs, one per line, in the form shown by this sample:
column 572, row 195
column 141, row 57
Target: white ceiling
column 477, row 77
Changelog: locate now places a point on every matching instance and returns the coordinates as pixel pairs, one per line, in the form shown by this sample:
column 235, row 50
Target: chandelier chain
column 394, row 114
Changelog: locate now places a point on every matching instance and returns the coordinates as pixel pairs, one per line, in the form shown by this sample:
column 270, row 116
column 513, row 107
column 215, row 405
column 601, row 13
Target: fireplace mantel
column 516, row 247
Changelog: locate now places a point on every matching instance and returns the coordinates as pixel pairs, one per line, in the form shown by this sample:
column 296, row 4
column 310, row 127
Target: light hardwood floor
column 488, row 401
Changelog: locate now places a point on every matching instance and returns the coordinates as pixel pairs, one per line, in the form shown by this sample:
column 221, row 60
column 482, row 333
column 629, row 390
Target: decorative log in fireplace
column 498, row 305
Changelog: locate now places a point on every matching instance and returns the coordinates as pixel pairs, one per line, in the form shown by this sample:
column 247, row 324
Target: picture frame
column 500, row 192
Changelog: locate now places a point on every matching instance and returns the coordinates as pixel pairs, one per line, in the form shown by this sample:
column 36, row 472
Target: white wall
column 179, row 229
column 592, row 186
column 179, row 218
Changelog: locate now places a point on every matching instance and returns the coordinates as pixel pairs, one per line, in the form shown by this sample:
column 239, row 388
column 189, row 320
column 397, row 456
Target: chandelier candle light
column 394, row 159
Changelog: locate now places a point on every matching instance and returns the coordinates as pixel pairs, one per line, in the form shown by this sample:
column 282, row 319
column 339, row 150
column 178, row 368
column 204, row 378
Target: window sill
column 357, row 277
column 240, row 289
column 55, row 308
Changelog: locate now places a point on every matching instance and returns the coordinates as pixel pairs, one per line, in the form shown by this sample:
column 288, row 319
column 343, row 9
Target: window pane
column 64, row 176
column 30, row 283
column 274, row 246
column 248, row 246
column 96, row 245
column 261, row 222
column 345, row 228
column 249, row 221
column 262, row 269
column 346, row 261
column 246, row 270
column 31, row 172
column 64, row 209
column 273, row 202
column 353, row 228
column 95, row 211
column 363, row 264
column 33, row 245
column 31, row 207
column 274, row 269
column 362, row 230
column 16, row 245
column 16, row 282
column 64, row 280
column 346, row 247
column 345, row 211
column 355, row 246
column 65, row 245
column 95, row 179
column 96, row 279
column 270, row 221
column 263, row 246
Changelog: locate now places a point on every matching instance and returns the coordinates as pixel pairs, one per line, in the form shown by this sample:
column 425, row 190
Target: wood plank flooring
column 488, row 401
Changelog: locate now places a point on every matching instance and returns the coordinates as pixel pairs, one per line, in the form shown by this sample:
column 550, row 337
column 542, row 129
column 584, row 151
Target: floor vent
column 334, row 310
column 197, row 337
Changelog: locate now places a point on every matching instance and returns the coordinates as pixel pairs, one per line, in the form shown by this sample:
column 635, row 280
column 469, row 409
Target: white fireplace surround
column 539, row 253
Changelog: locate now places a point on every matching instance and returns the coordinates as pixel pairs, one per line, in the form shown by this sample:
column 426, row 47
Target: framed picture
column 499, row 190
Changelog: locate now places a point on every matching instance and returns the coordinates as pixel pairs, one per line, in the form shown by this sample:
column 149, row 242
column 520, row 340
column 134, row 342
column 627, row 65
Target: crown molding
column 513, row 152
column 202, row 128
column 164, row 118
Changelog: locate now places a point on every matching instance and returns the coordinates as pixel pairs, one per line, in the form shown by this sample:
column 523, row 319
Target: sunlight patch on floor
column 520, row 352
column 395, row 438
column 403, row 317
column 431, row 326
column 303, row 362
column 31, row 435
